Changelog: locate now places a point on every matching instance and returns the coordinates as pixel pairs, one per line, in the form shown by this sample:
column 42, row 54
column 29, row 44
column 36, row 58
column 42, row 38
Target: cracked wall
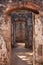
column 38, row 40
column 5, row 41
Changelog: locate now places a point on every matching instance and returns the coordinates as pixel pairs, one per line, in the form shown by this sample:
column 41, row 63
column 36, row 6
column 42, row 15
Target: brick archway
column 26, row 6
column 30, row 6
column 22, row 6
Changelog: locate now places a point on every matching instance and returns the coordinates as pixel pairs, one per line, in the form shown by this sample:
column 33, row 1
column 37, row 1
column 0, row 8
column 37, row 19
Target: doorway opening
column 21, row 55
column 22, row 29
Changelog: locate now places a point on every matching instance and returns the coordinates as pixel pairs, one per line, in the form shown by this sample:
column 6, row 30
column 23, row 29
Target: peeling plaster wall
column 38, row 45
column 5, row 41
column 38, row 30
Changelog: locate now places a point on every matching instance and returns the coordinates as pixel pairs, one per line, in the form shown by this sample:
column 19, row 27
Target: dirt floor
column 21, row 55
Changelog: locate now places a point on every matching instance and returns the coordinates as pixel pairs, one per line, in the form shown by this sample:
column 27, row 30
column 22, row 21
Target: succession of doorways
column 26, row 6
column 18, row 32
column 23, row 6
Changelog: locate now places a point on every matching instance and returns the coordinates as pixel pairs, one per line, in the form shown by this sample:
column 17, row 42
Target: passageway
column 21, row 55
column 21, row 32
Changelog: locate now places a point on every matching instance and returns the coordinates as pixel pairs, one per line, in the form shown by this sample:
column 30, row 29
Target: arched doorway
column 26, row 6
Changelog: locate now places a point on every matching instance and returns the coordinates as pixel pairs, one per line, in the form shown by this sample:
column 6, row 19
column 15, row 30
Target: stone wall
column 29, row 31
column 5, row 41
column 38, row 40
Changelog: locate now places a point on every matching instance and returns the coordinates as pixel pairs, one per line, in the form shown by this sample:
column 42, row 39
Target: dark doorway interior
column 22, row 29
column 22, row 39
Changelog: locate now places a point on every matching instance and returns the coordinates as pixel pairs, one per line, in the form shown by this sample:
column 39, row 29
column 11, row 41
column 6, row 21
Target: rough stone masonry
column 5, row 44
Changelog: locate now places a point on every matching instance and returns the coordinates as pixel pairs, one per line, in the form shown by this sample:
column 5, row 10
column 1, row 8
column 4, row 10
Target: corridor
column 21, row 32
column 21, row 55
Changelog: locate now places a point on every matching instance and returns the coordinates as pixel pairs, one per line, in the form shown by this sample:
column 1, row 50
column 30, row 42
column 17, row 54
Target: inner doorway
column 18, row 31
column 22, row 29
